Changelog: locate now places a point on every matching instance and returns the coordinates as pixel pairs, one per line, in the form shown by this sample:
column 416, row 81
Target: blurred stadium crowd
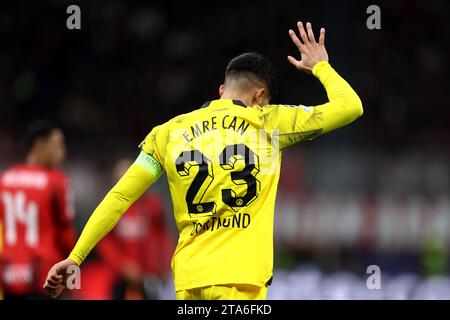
column 374, row 193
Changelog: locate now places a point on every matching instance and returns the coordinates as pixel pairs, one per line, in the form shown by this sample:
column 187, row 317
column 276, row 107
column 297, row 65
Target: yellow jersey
column 223, row 164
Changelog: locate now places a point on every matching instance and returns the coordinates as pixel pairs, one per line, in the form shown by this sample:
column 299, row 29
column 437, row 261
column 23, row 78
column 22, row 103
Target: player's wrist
column 73, row 258
column 319, row 66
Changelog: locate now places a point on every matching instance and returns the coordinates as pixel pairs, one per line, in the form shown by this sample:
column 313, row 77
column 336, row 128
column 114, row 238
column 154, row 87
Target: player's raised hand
column 311, row 51
column 57, row 277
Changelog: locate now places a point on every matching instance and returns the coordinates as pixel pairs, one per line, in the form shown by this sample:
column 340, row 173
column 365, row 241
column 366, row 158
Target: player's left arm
column 137, row 179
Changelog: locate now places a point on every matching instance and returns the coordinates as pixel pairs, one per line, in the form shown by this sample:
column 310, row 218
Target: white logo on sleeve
column 306, row 109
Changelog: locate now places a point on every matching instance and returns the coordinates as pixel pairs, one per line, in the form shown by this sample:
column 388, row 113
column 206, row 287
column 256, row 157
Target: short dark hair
column 38, row 129
column 255, row 64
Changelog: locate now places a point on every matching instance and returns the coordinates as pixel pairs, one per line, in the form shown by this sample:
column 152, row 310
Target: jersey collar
column 222, row 102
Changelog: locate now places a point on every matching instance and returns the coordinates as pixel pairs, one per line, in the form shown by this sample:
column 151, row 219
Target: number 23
column 205, row 176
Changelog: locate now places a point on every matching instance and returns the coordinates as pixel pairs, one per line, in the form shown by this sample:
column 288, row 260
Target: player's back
column 28, row 201
column 222, row 164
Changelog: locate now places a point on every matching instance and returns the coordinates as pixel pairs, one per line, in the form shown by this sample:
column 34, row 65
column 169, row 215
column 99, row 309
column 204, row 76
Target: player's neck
column 236, row 96
column 35, row 160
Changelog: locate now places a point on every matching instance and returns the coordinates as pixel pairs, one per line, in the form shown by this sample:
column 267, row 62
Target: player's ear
column 221, row 89
column 259, row 96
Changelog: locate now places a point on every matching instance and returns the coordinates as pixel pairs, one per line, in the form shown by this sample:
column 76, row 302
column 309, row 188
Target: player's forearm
column 104, row 218
column 129, row 188
column 344, row 105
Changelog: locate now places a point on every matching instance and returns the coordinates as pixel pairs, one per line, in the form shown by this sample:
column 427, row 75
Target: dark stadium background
column 373, row 193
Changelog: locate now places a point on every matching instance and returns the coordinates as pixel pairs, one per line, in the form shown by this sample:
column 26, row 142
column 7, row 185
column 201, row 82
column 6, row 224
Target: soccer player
column 222, row 163
column 35, row 214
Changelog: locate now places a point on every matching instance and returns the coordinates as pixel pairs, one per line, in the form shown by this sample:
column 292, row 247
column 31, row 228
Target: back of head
column 38, row 130
column 251, row 68
column 44, row 142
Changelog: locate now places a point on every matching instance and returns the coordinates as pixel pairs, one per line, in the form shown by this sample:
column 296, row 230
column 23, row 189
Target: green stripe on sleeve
column 149, row 163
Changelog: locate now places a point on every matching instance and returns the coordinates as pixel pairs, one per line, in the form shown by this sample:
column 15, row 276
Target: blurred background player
column 35, row 213
column 135, row 257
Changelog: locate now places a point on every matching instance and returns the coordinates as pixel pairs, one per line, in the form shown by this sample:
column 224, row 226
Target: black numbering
column 201, row 182
column 229, row 159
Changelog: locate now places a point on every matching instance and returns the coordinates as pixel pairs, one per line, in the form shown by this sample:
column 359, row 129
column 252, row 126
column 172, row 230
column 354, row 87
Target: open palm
column 311, row 52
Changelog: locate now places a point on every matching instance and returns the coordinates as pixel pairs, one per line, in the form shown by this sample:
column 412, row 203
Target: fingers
column 54, row 291
column 55, row 280
column 294, row 61
column 322, row 36
column 53, row 283
column 307, row 36
column 312, row 39
column 302, row 32
column 50, row 288
column 295, row 39
column 56, row 277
